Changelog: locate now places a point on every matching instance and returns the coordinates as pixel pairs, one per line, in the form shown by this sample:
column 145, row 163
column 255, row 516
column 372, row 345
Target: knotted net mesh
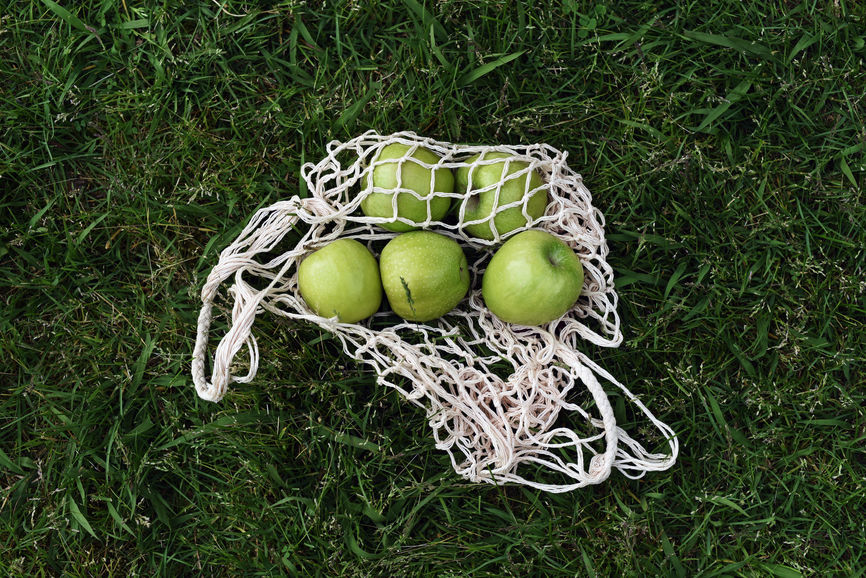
column 509, row 403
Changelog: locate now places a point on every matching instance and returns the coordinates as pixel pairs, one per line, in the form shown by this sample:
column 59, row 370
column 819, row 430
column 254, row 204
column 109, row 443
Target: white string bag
column 497, row 426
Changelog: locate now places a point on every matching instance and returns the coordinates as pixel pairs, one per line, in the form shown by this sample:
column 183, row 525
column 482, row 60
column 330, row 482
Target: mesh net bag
column 509, row 403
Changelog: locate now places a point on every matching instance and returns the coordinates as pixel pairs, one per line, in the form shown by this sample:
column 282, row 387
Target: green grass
column 723, row 141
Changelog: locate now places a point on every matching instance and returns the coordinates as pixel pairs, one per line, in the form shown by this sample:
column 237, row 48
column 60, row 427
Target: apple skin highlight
column 341, row 279
column 532, row 279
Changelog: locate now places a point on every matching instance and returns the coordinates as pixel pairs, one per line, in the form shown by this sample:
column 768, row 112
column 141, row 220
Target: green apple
column 342, row 279
column 425, row 274
column 483, row 203
column 532, row 279
column 407, row 174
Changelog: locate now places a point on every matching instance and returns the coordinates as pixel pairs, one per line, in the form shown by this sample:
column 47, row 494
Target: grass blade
column 141, row 362
column 427, row 19
column 349, row 440
column 675, row 278
column 473, row 75
column 671, row 555
column 782, row 571
column 846, row 170
column 79, row 517
column 67, row 16
column 734, row 96
column 134, row 24
column 115, row 515
column 732, row 42
column 805, row 42
column 643, row 126
column 350, row 114
column 587, row 564
column 721, row 500
column 8, row 464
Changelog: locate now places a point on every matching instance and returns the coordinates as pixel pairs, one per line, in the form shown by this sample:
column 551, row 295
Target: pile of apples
column 533, row 277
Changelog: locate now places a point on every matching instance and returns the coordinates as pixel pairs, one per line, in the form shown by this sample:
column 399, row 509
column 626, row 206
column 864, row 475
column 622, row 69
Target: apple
column 407, row 174
column 532, row 279
column 425, row 274
column 342, row 279
column 482, row 204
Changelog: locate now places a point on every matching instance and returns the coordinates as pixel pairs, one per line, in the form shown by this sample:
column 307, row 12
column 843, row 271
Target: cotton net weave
column 509, row 403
